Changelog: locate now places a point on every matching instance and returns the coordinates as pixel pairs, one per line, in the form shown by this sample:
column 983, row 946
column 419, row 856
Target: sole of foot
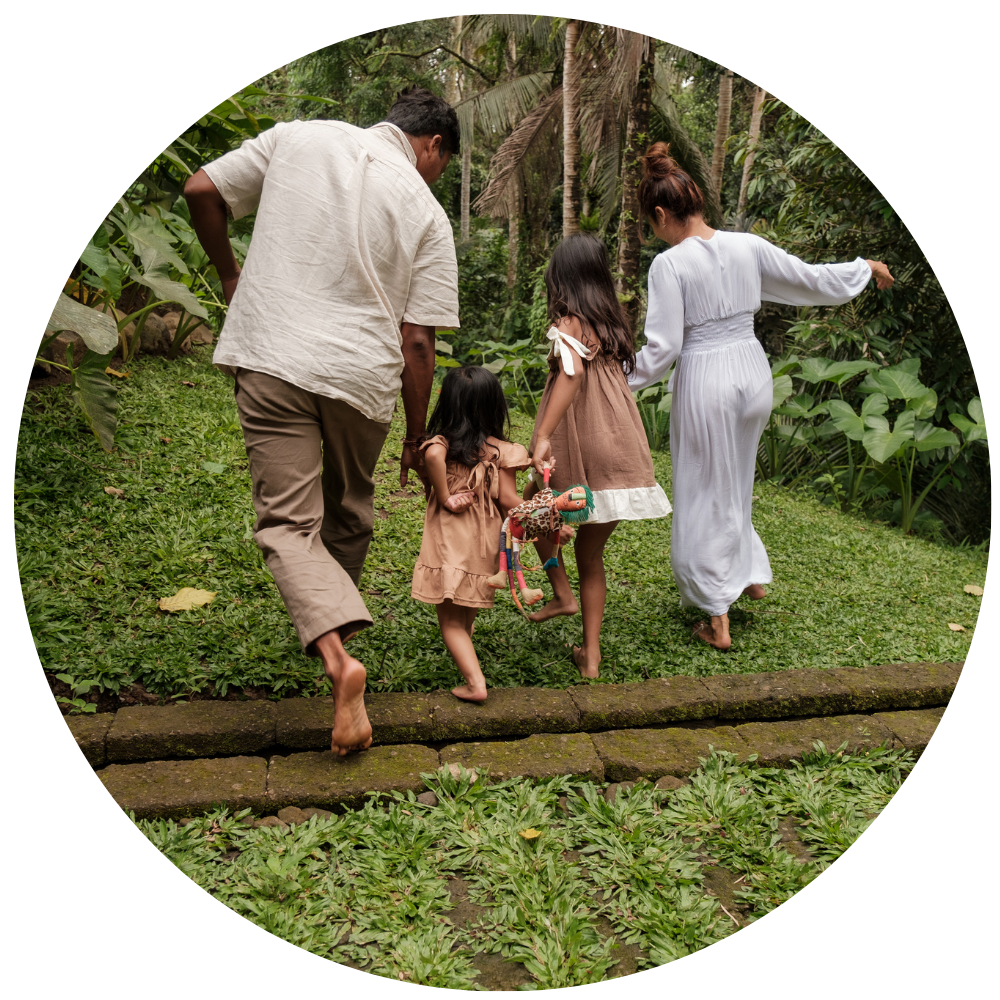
column 755, row 591
column 466, row 693
column 351, row 728
column 704, row 632
column 588, row 673
column 553, row 610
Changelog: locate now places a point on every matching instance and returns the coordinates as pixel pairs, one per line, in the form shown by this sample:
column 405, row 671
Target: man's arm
column 211, row 225
column 418, row 377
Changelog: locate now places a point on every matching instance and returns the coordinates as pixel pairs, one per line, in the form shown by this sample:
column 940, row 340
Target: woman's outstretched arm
column 664, row 327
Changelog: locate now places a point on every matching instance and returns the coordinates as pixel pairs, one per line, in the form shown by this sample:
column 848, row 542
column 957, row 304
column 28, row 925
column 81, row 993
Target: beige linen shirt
column 348, row 244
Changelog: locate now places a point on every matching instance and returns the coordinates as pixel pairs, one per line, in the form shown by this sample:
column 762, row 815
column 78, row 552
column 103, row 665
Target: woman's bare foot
column 469, row 693
column 587, row 665
column 351, row 728
column 553, row 609
column 755, row 591
column 715, row 632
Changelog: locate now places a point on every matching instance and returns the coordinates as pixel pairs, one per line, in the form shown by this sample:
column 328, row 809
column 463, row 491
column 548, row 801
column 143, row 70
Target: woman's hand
column 883, row 279
column 542, row 456
column 458, row 502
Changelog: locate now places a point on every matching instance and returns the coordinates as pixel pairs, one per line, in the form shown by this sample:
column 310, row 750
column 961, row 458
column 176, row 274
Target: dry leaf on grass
column 187, row 598
column 971, row 588
column 113, row 491
column 956, row 628
column 190, row 385
column 111, row 371
column 529, row 834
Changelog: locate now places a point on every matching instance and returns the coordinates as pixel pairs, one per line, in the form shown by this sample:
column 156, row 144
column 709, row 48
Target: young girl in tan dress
column 588, row 429
column 471, row 467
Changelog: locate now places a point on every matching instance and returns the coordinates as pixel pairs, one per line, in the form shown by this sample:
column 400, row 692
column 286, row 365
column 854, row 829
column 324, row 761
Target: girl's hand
column 458, row 502
column 542, row 455
column 883, row 279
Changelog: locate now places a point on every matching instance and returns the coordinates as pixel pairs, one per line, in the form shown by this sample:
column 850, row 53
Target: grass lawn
column 599, row 889
column 93, row 566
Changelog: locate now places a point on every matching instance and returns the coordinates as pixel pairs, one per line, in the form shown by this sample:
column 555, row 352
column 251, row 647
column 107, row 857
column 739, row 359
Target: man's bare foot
column 351, row 728
column 588, row 666
column 468, row 693
column 553, row 609
column 715, row 632
column 755, row 591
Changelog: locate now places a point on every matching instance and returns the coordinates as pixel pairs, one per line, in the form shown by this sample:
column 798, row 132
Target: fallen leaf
column 956, row 628
column 113, row 491
column 166, row 440
column 187, row 598
column 971, row 588
column 111, row 371
column 214, row 467
column 529, row 834
column 190, row 385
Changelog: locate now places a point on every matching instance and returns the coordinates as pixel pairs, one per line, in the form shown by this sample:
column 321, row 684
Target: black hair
column 471, row 408
column 579, row 283
column 418, row 112
column 664, row 185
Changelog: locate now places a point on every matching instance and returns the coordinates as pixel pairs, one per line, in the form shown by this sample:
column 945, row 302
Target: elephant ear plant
column 92, row 389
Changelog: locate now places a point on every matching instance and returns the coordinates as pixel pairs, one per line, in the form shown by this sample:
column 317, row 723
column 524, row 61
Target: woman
column 703, row 293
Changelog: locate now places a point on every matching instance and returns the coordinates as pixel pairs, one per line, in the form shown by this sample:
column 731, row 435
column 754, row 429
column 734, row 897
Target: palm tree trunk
column 513, row 233
column 571, row 131
column 451, row 90
column 466, row 187
column 636, row 139
column 752, row 137
column 722, row 132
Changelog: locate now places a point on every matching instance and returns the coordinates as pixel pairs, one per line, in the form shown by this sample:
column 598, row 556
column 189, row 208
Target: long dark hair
column 579, row 283
column 471, row 408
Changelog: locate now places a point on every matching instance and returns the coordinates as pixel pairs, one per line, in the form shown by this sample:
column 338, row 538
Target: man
column 350, row 270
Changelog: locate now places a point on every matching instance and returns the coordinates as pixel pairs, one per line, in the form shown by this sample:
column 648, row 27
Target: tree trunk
column 466, row 169
column 752, row 138
column 722, row 132
column 571, row 131
column 451, row 90
column 513, row 234
column 636, row 140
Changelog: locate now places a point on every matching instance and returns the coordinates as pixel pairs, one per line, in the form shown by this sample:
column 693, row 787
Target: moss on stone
column 780, row 694
column 778, row 743
column 90, row 732
column 628, row 754
column 900, row 685
column 506, row 712
column 538, row 756
column 911, row 729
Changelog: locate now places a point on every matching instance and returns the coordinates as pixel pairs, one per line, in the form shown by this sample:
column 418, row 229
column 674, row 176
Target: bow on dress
column 484, row 481
column 563, row 346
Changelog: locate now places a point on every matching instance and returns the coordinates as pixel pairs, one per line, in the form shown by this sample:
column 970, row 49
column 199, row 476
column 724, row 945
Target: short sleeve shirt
column 348, row 244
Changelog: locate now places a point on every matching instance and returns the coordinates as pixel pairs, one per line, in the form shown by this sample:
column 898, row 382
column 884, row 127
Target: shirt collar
column 394, row 134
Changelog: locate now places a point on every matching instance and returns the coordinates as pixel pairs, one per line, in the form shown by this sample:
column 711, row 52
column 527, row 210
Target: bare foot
column 587, row 669
column 468, row 693
column 351, row 728
column 715, row 632
column 755, row 591
column 553, row 609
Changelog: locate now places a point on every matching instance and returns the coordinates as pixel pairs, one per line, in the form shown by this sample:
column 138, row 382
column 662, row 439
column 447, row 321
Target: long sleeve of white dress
column 664, row 326
column 793, row 282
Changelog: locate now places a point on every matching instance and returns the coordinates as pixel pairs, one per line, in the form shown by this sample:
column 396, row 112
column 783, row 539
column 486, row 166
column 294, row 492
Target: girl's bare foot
column 755, row 591
column 553, row 609
column 469, row 693
column 715, row 632
column 587, row 665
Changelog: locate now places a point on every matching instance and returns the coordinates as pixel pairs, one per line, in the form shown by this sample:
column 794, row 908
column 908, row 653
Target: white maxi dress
column 702, row 297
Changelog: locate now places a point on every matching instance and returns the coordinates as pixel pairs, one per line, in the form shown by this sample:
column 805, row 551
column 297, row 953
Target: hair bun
column 657, row 163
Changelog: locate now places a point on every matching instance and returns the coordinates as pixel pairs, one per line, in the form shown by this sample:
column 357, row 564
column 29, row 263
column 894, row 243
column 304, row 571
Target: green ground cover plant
column 94, row 565
column 572, row 886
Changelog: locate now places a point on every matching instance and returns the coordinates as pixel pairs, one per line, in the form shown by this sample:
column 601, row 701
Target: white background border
column 91, row 908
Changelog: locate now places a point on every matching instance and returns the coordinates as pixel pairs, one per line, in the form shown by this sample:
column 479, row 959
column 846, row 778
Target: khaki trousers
column 311, row 462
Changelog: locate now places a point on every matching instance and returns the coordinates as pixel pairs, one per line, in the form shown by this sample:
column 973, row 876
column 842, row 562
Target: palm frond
column 502, row 107
column 512, row 153
column 537, row 27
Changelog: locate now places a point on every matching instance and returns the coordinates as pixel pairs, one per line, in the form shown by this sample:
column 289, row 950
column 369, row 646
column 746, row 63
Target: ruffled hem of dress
column 636, row 504
column 436, row 584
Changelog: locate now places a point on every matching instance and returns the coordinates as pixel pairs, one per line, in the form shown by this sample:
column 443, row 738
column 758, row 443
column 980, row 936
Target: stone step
column 178, row 788
column 225, row 728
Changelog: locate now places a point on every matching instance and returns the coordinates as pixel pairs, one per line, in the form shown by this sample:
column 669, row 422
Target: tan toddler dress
column 600, row 442
column 460, row 551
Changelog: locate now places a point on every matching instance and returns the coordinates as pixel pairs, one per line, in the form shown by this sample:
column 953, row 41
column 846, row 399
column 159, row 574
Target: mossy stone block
column 667, row 699
column 911, row 729
column 329, row 781
column 900, row 685
column 506, row 712
column 198, row 729
column 175, row 788
column 539, row 756
column 779, row 743
column 780, row 694
column 90, row 732
column 629, row 754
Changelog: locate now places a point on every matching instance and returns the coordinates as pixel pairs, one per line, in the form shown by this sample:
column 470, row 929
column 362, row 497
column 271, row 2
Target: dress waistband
column 716, row 334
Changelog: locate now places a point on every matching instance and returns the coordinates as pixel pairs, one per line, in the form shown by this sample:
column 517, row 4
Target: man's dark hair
column 418, row 112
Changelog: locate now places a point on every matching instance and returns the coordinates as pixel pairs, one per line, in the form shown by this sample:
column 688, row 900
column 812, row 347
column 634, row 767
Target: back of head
column 579, row 283
column 471, row 408
column 664, row 185
column 418, row 112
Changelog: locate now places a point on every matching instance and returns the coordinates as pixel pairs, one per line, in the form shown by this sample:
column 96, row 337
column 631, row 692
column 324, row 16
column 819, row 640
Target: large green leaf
column 923, row 406
column 782, row 390
column 98, row 330
column 971, row 431
column 895, row 383
column 875, row 405
column 150, row 239
column 846, row 420
column 164, row 287
column 801, row 407
column 97, row 396
column 825, row 370
column 783, row 365
column 881, row 443
column 931, row 438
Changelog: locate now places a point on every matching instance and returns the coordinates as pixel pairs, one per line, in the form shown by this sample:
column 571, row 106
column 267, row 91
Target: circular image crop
column 502, row 501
